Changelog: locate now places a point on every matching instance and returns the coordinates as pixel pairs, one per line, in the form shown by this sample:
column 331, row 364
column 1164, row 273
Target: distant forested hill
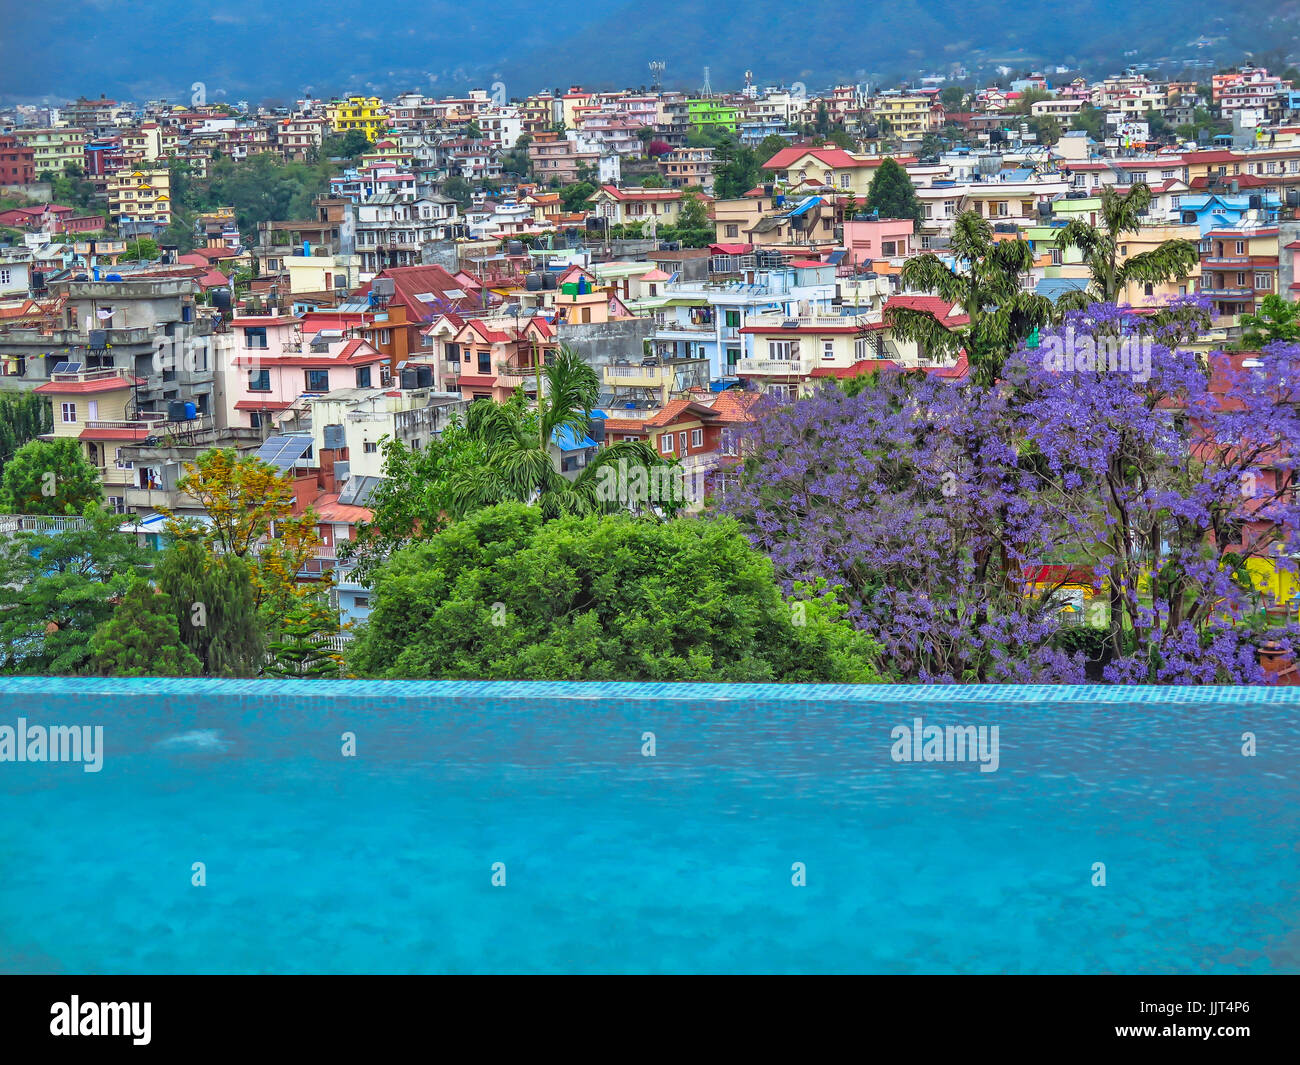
column 259, row 49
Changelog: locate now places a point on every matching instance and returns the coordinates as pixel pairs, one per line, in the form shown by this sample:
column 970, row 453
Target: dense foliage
column 504, row 594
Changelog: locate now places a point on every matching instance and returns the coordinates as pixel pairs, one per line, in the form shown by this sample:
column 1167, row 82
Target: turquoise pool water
column 619, row 862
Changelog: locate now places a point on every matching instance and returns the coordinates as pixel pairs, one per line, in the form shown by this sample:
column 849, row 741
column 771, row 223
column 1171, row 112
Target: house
column 274, row 373
column 17, row 161
column 97, row 408
column 801, row 168
column 623, row 206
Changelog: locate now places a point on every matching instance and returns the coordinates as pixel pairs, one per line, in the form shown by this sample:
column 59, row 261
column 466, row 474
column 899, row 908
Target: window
column 666, row 444
column 1263, row 283
column 255, row 337
column 318, row 380
column 1241, row 280
column 888, row 248
column 385, row 336
column 780, row 349
column 360, row 602
column 1002, row 208
column 728, row 441
column 925, row 243
column 69, row 412
column 733, row 231
column 733, row 356
column 370, row 447
column 1056, row 256
column 485, row 362
column 363, row 376
column 5, row 276
column 733, row 319
column 260, row 381
column 828, row 349
column 697, row 438
column 1241, row 247
column 844, row 181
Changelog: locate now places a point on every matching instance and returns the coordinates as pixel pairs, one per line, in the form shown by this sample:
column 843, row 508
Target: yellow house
column 54, row 149
column 1148, row 238
column 907, row 117
column 92, row 407
column 141, row 196
column 366, row 113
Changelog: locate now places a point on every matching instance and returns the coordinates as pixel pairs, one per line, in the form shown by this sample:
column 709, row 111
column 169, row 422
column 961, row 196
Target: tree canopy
column 504, row 594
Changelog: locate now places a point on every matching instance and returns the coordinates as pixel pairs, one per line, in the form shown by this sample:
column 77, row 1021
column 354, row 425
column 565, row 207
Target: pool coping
column 629, row 691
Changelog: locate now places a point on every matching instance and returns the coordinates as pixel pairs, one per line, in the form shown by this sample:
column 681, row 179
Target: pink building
column 885, row 238
column 276, row 371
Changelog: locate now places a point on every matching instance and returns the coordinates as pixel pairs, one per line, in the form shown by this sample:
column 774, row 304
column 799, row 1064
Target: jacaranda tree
column 930, row 505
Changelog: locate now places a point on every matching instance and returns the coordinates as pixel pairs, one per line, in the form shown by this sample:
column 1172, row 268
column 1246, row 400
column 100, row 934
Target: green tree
column 602, row 597
column 213, row 599
column 891, row 193
column 1091, row 120
column 302, row 649
column 460, row 190
column 142, row 638
column 23, row 417
column 574, row 197
column 414, row 499
column 985, row 283
column 49, row 477
column 349, row 145
column 58, row 585
column 952, row 97
column 735, row 170
column 770, row 145
column 653, row 181
column 1278, row 319
column 693, row 227
column 142, row 249
column 1100, row 247
column 517, row 443
column 822, row 123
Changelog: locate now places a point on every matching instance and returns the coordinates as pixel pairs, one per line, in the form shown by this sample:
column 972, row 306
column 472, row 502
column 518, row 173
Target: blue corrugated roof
column 805, row 206
column 567, row 440
column 1056, row 287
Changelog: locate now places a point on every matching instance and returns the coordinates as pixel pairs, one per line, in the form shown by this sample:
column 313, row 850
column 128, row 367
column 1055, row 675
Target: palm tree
column 985, row 283
column 520, row 468
column 1100, row 247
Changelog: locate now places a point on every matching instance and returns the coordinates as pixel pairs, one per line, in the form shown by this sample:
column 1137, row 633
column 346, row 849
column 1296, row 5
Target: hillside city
column 939, row 382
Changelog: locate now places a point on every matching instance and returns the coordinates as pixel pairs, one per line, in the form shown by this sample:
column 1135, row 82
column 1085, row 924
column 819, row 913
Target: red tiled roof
column 115, row 434
column 734, row 405
column 863, row 367
column 834, row 157
column 103, row 384
column 261, row 404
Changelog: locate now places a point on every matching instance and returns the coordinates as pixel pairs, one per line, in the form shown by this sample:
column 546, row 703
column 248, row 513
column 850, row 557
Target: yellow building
column 366, row 113
column 92, row 407
column 906, row 117
column 140, row 196
column 54, row 149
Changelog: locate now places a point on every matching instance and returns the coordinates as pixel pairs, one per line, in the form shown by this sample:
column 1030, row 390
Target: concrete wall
column 600, row 344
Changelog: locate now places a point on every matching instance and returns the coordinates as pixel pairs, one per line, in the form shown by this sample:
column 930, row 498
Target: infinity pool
column 615, row 859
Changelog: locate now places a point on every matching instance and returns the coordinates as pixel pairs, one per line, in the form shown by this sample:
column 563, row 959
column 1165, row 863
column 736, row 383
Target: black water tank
column 424, row 375
column 221, row 300
column 549, row 280
column 176, row 411
column 409, row 378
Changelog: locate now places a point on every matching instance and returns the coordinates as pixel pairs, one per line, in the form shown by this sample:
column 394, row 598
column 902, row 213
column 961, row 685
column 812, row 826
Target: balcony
column 150, row 498
column 1225, row 260
column 1228, row 293
column 799, row 366
column 637, row 376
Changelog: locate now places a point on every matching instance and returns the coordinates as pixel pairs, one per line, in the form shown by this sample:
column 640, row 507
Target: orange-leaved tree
column 249, row 508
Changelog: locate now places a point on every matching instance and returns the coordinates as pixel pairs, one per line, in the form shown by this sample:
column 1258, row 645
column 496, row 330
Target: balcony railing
column 796, row 367
column 1228, row 293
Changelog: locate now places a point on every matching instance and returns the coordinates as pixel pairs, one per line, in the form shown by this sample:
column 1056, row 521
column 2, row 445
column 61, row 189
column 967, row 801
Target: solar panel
column 358, row 490
column 67, row 367
column 284, row 452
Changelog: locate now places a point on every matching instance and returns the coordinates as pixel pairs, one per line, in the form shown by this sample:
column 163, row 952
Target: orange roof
column 103, row 384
